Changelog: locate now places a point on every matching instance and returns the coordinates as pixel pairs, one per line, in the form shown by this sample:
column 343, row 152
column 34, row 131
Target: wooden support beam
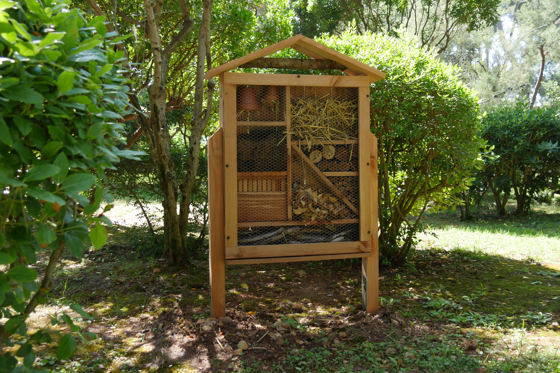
column 217, row 222
column 294, row 63
column 291, row 259
column 277, row 251
column 370, row 265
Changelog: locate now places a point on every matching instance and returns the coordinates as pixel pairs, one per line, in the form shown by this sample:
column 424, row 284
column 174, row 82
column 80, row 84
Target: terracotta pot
column 247, row 99
column 271, row 96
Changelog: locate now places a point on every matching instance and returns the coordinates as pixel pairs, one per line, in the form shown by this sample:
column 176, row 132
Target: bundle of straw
column 324, row 118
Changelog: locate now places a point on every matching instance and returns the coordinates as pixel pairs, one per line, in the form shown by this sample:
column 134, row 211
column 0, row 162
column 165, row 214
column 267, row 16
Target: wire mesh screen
column 261, row 103
column 297, row 165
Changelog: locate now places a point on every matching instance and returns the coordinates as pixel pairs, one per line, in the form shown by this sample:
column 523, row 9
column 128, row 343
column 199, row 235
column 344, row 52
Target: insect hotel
column 293, row 168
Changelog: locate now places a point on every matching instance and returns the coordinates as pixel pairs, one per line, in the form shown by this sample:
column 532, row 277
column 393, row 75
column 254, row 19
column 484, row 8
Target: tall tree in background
column 434, row 22
column 517, row 59
column 314, row 18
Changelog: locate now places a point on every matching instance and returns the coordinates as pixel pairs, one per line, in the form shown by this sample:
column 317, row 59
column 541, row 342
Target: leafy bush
column 526, row 154
column 136, row 182
column 426, row 121
column 60, row 95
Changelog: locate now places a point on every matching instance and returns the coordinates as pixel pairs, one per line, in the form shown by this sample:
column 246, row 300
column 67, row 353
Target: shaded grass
column 534, row 237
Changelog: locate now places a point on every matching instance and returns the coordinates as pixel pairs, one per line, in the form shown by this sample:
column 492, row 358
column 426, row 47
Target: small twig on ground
column 262, row 337
column 217, row 339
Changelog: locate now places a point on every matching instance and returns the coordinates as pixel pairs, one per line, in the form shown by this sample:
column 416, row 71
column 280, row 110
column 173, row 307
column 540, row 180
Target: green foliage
column 426, row 121
column 314, row 18
column 526, row 145
column 502, row 62
column 433, row 23
column 60, row 97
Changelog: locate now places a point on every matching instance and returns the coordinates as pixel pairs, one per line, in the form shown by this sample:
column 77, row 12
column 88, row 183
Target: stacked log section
column 343, row 159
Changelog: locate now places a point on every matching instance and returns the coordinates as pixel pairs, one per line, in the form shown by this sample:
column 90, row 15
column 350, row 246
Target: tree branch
column 539, row 80
column 188, row 25
column 294, row 63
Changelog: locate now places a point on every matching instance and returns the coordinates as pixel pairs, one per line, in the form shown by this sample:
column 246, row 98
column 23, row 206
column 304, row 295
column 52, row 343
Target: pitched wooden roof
column 310, row 48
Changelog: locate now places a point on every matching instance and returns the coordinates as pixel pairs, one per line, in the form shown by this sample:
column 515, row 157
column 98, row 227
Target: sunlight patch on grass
column 504, row 243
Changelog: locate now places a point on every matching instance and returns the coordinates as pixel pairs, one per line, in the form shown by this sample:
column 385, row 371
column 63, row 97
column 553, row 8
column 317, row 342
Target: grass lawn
column 480, row 296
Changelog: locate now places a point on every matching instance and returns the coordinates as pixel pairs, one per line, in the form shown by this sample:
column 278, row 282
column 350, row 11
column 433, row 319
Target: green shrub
column 426, row 121
column 527, row 156
column 60, row 98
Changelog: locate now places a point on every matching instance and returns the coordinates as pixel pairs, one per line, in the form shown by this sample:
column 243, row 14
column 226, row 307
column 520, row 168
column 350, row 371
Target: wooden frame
column 275, row 187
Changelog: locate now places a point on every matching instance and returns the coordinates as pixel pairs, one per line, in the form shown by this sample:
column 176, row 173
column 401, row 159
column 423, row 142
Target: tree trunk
column 200, row 116
column 539, row 79
column 500, row 204
column 158, row 138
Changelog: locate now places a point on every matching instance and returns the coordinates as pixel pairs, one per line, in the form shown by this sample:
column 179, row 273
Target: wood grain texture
column 277, row 251
column 294, row 80
column 364, row 152
column 291, row 259
column 334, row 174
column 374, row 304
column 230, row 163
column 217, row 221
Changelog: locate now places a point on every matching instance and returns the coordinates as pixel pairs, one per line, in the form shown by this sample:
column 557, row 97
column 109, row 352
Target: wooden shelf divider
column 291, row 259
column 289, row 149
column 324, row 142
column 292, row 223
column 260, row 123
column 349, row 173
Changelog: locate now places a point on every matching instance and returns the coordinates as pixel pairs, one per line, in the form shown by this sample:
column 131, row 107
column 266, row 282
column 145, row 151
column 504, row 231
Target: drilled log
column 342, row 154
column 333, row 166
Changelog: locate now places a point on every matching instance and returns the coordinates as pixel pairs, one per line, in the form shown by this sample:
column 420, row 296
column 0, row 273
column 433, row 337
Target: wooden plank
column 307, row 46
column 349, row 173
column 260, row 124
column 296, row 80
column 295, row 223
column 372, row 264
column 261, row 206
column 364, row 152
column 325, row 179
column 257, row 54
column 289, row 149
column 216, row 234
column 308, row 53
column 261, row 193
column 374, row 190
column 370, row 283
column 262, row 175
column 325, row 142
column 292, row 259
column 230, row 166
column 274, row 251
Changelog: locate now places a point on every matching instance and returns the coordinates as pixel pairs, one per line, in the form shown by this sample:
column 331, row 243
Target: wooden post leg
column 217, row 224
column 370, row 281
column 370, row 266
